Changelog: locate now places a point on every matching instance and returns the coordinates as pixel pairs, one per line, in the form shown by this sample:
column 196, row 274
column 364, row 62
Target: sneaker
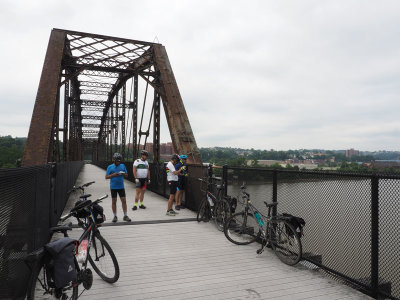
column 142, row 206
column 177, row 207
column 134, row 207
column 175, row 212
column 115, row 219
column 126, row 218
column 171, row 213
column 181, row 207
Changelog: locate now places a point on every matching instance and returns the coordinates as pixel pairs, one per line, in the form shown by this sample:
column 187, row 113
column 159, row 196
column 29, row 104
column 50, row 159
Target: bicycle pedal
column 259, row 251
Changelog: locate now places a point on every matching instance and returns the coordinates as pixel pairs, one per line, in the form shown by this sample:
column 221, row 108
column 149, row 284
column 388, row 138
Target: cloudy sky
column 252, row 74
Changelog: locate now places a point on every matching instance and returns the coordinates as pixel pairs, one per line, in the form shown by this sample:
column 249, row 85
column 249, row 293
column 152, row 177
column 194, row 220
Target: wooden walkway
column 190, row 260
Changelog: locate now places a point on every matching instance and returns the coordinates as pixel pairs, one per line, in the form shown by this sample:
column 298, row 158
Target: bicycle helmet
column 183, row 156
column 144, row 152
column 117, row 156
column 175, row 157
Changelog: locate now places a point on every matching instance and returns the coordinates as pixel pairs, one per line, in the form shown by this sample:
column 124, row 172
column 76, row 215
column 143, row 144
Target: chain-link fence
column 352, row 220
column 32, row 200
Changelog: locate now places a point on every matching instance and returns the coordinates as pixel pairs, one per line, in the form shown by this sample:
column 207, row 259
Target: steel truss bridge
column 88, row 100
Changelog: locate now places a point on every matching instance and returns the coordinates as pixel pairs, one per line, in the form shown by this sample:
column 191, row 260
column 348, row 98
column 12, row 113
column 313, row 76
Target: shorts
column 181, row 183
column 120, row 192
column 172, row 187
column 142, row 183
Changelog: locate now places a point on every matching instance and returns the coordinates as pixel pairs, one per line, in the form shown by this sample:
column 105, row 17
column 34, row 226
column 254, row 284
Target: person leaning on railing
column 181, row 181
column 172, row 177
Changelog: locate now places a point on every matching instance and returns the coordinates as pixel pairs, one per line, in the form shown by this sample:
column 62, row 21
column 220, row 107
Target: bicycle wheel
column 103, row 260
column 222, row 213
column 203, row 213
column 285, row 242
column 242, row 229
column 39, row 289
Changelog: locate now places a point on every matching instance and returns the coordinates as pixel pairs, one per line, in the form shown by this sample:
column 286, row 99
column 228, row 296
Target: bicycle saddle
column 62, row 228
column 85, row 196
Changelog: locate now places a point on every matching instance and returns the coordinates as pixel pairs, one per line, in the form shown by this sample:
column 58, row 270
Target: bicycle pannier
column 98, row 213
column 60, row 264
column 83, row 212
column 297, row 222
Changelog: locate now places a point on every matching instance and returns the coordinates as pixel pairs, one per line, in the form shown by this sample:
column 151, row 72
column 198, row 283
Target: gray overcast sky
column 252, row 74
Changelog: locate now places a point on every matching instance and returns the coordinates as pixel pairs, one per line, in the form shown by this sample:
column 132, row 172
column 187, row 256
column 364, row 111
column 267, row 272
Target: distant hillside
column 238, row 156
column 11, row 151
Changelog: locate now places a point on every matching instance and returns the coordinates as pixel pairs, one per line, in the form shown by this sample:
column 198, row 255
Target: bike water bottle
column 259, row 220
column 82, row 251
column 210, row 201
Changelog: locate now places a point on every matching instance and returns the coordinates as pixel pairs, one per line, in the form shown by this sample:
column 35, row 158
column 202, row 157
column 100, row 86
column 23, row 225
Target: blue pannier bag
column 60, row 265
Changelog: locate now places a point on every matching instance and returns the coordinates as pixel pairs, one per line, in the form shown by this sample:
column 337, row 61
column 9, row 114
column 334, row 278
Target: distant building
column 166, row 149
column 386, row 164
column 351, row 152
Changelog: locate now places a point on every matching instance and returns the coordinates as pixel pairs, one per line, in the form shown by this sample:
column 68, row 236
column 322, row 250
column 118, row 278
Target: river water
column 338, row 222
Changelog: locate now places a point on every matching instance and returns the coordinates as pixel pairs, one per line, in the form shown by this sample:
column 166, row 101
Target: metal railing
column 32, row 200
column 352, row 220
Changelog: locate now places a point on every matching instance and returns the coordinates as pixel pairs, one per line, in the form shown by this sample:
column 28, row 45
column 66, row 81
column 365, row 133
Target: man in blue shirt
column 116, row 173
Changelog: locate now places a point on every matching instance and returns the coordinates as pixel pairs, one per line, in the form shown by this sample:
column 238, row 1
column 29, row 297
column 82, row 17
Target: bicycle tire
column 242, row 229
column 203, row 213
column 285, row 242
column 104, row 263
column 36, row 289
column 222, row 213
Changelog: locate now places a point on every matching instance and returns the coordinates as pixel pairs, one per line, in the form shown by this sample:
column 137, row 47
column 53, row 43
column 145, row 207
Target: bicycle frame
column 90, row 228
column 263, row 221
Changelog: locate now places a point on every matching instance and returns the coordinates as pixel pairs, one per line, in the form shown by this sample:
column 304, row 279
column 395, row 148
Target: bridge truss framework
column 90, row 85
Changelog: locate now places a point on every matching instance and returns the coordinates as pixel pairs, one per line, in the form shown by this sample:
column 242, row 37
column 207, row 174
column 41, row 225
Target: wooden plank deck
column 190, row 260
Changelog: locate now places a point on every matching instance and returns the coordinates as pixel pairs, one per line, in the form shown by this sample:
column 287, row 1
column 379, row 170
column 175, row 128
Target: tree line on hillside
column 239, row 157
column 11, row 151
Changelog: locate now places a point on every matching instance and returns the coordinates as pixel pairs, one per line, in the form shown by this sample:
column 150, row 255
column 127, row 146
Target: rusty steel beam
column 103, row 37
column 178, row 122
column 38, row 145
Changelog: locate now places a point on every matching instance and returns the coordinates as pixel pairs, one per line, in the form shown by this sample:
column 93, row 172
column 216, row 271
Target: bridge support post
column 38, row 150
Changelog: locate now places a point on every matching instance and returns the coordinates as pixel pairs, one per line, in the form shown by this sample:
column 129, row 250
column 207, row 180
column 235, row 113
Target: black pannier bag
column 82, row 213
column 232, row 203
column 59, row 263
column 297, row 223
column 98, row 214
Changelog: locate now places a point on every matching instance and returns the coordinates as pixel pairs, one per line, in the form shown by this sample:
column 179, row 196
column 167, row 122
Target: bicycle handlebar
column 81, row 187
column 81, row 206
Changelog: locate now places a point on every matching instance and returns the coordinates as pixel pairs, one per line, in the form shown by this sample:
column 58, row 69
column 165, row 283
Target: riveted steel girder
column 38, row 149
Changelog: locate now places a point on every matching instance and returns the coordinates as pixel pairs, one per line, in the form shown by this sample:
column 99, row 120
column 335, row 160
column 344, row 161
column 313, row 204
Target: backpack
column 98, row 214
column 59, row 262
column 297, row 223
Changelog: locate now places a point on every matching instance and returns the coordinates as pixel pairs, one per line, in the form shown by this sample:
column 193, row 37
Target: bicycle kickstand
column 264, row 245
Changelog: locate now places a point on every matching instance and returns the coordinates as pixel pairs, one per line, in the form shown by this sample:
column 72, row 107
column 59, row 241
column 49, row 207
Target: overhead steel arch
column 92, row 73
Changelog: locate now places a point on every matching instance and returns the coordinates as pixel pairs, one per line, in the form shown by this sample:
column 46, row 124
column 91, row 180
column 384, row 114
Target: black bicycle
column 90, row 216
column 91, row 247
column 274, row 232
column 214, row 205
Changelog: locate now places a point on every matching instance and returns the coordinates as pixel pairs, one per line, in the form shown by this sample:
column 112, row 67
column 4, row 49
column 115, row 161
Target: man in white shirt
column 141, row 173
column 172, row 178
